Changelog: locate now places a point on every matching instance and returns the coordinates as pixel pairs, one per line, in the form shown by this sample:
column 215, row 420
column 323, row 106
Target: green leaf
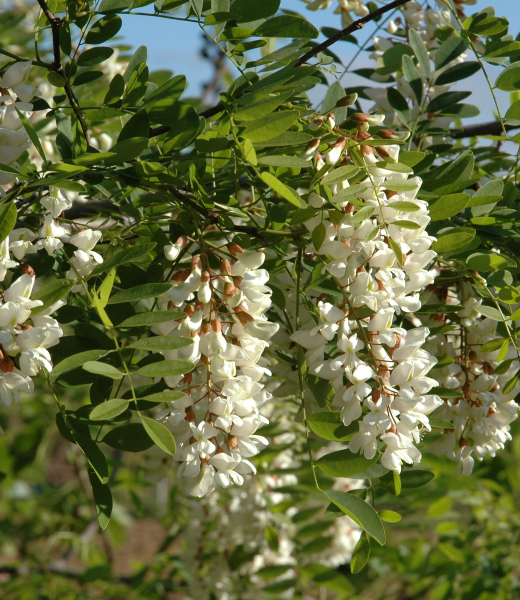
column 486, row 25
column 340, row 174
column 160, row 434
column 437, row 423
column 280, row 188
column 344, row 463
column 350, row 194
column 161, row 343
column 8, row 169
column 129, row 438
column 94, row 56
column 236, row 33
column 400, row 185
column 486, row 262
column 389, row 516
column 262, row 108
column 404, row 205
column 112, row 5
column 123, row 257
column 413, row 77
column 329, row 426
column 303, row 215
column 249, row 152
column 361, row 553
column 449, row 50
column 397, row 251
column 448, row 206
column 92, row 158
column 102, row 369
column 289, row 138
column 136, row 127
column 32, row 134
column 287, row 26
column 270, row 126
column 443, row 101
column 451, row 242
column 87, row 77
column 108, row 410
column 492, row 345
column 102, row 499
column 105, row 288
column 458, row 72
column 284, row 161
column 360, row 512
column 172, row 90
column 416, row 478
column 77, row 360
column 500, row 48
column 451, row 553
column 406, row 224
column 509, row 79
column 362, row 214
column 446, row 392
column 273, row 571
column 253, row 11
column 318, row 235
column 50, row 293
column 104, row 29
column 8, row 216
column 140, row 292
column 95, row 457
column 321, row 389
column 510, row 385
column 166, row 368
column 126, row 150
column 398, row 102
column 420, row 50
column 184, row 123
column 116, row 89
column 152, row 318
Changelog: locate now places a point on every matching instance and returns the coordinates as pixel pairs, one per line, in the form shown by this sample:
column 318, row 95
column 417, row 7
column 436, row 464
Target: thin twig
column 491, row 128
column 56, row 23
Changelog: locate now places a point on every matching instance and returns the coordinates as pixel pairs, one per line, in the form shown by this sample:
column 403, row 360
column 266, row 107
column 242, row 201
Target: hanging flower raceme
column 377, row 252
column 216, row 419
column 478, row 378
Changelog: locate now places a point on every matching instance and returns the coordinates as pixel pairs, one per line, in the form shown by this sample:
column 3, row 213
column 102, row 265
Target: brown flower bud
column 234, row 249
column 205, row 277
column 376, row 394
column 382, row 152
column 386, row 133
column 199, row 305
column 216, row 325
column 28, row 270
column 243, row 315
column 196, row 263
column 7, row 365
column 361, row 117
column 229, row 290
column 237, row 280
column 189, row 309
column 187, row 379
column 190, row 415
column 232, row 442
column 225, row 267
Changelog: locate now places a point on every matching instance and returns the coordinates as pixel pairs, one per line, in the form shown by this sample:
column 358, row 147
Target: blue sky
column 174, row 45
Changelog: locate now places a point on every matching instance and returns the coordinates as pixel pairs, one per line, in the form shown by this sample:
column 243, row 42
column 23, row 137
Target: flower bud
column 316, row 123
column 216, row 325
column 333, row 156
column 386, row 133
column 330, row 120
column 347, row 100
column 190, row 415
column 225, row 267
column 28, row 270
column 195, row 263
column 7, row 365
column 234, row 249
column 243, row 315
column 232, row 442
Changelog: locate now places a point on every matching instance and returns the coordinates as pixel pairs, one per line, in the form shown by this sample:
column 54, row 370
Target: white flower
column 56, row 202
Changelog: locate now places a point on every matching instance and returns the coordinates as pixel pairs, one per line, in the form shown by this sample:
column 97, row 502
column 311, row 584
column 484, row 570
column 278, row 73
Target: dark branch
column 492, row 128
column 56, row 23
column 359, row 24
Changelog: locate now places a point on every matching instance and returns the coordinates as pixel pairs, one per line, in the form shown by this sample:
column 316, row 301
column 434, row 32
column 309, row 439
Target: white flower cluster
column 484, row 408
column 28, row 342
column 215, row 422
column 377, row 363
column 14, row 140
